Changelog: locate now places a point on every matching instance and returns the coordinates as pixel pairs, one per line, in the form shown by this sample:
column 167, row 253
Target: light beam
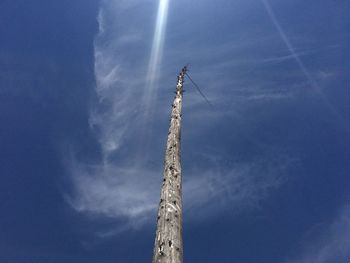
column 156, row 54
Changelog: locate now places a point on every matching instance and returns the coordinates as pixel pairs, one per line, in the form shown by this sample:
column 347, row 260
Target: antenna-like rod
column 168, row 247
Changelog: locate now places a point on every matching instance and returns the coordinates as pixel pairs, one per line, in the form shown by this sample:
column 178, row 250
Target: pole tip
column 184, row 69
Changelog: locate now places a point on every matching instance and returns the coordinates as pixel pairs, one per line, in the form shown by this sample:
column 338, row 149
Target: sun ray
column 156, row 54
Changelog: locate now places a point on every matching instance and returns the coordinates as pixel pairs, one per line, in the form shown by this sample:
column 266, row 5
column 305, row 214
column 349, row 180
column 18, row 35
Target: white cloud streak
column 332, row 243
column 114, row 192
column 208, row 192
column 288, row 43
column 115, row 87
column 302, row 66
column 131, row 194
column 129, row 190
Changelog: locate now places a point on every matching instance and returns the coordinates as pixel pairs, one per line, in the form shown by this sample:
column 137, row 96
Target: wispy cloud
column 131, row 194
column 114, row 192
column 124, row 185
column 332, row 243
column 115, row 87
column 208, row 192
column 123, row 190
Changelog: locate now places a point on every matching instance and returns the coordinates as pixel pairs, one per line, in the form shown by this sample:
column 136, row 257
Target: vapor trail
column 287, row 43
column 300, row 63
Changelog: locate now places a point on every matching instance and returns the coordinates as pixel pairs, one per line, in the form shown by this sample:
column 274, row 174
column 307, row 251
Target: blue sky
column 86, row 88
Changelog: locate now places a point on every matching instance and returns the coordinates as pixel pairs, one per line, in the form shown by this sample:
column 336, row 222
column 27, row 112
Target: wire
column 199, row 90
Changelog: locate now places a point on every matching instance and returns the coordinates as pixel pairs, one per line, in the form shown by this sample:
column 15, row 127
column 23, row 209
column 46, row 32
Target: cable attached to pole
column 199, row 90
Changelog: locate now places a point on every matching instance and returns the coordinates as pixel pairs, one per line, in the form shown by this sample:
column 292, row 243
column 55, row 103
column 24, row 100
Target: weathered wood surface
column 168, row 247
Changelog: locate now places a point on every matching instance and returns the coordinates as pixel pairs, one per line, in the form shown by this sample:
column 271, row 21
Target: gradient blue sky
column 266, row 169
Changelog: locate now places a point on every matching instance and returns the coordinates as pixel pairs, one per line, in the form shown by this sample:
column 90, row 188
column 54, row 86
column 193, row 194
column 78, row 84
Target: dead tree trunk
column 168, row 247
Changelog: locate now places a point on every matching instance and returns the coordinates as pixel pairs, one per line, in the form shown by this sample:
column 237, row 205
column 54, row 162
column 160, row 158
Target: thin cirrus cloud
column 131, row 194
column 128, row 188
column 331, row 242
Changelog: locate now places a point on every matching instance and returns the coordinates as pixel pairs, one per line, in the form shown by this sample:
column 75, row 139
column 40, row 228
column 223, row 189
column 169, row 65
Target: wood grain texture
column 168, row 247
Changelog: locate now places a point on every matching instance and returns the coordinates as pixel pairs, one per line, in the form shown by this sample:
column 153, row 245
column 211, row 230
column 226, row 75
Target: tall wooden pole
column 168, row 247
